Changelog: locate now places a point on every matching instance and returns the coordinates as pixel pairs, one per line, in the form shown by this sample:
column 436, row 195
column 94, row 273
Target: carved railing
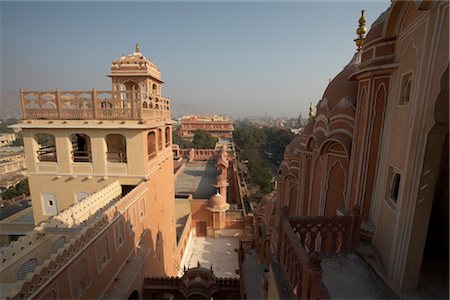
column 116, row 156
column 304, row 241
column 327, row 235
column 109, row 105
column 47, row 154
column 81, row 156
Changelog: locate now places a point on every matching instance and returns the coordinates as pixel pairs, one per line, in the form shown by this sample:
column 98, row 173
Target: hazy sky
column 247, row 58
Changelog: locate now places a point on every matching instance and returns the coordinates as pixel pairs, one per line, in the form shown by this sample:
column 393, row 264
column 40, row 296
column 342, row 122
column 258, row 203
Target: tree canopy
column 180, row 141
column 17, row 190
column 203, row 140
column 252, row 142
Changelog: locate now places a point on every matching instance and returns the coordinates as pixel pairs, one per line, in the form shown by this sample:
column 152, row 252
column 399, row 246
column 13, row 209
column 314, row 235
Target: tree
column 178, row 140
column 203, row 140
column 5, row 123
column 17, row 190
column 260, row 175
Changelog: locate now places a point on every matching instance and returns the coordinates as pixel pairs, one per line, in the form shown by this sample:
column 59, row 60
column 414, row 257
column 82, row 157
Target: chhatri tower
column 100, row 169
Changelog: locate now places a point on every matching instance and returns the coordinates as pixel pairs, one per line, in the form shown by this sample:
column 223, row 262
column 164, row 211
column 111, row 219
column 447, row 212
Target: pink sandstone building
column 218, row 126
column 368, row 176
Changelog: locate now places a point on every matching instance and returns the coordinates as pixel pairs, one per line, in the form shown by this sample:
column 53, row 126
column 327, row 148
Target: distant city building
column 7, row 139
column 218, row 126
column 12, row 166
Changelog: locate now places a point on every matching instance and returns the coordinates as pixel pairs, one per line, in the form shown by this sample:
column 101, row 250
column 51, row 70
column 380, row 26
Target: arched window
column 102, row 252
column 128, row 88
column 81, row 148
column 167, row 136
column 105, row 104
column 406, row 89
column 26, row 268
column 134, row 295
column 79, row 278
column 154, row 88
column 406, row 92
column 151, row 145
column 160, row 142
column 395, row 187
column 117, row 148
column 46, row 147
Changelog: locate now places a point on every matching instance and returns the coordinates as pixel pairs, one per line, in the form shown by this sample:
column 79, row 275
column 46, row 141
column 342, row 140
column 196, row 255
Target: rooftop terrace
column 218, row 252
column 197, row 179
column 93, row 104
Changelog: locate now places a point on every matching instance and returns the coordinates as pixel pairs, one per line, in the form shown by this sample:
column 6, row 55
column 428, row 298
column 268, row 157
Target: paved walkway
column 216, row 251
column 254, row 276
column 197, row 179
column 349, row 277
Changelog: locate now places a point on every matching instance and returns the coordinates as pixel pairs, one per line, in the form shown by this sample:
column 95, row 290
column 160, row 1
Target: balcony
column 318, row 258
column 101, row 105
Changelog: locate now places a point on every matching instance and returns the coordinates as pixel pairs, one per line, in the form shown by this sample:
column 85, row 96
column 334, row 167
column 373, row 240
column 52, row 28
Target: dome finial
column 310, row 110
column 361, row 31
column 137, row 47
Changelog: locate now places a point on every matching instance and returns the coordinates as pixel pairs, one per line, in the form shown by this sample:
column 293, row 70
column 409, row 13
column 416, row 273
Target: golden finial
column 361, row 31
column 137, row 47
column 310, row 110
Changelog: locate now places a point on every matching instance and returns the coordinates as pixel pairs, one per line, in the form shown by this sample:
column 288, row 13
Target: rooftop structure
column 197, row 179
column 218, row 126
column 135, row 95
column 100, row 172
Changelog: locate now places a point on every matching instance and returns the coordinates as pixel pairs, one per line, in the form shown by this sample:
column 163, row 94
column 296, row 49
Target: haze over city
column 235, row 58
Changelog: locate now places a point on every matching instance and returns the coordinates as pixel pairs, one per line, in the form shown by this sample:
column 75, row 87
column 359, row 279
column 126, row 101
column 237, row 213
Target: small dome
column 341, row 86
column 217, row 202
column 135, row 63
column 135, row 58
column 198, row 281
column 376, row 30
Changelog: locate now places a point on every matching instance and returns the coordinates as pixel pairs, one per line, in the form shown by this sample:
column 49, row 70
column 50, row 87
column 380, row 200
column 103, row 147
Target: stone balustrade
column 198, row 154
column 70, row 217
column 94, row 225
column 304, row 241
column 101, row 105
column 83, row 210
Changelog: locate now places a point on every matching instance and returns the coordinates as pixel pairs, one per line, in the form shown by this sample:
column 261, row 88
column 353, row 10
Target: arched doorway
column 434, row 271
column 134, row 295
column 81, row 147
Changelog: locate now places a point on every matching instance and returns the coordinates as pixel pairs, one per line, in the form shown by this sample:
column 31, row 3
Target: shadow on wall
column 118, row 231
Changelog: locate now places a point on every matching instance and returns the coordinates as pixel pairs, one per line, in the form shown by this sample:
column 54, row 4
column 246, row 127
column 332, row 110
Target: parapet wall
column 107, row 206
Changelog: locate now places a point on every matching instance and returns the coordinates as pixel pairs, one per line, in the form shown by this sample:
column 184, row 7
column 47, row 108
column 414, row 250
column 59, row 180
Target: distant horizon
column 235, row 58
